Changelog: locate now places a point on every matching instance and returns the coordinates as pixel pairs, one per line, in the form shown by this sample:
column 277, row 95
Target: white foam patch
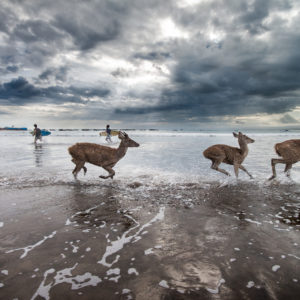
column 164, row 284
column 115, row 279
column 292, row 255
column 149, row 251
column 5, row 272
column 115, row 271
column 65, row 276
column 252, row 221
column 275, row 268
column 133, row 271
column 1, row 285
column 126, row 291
column 117, row 245
column 87, row 211
column 250, row 284
column 216, row 290
column 27, row 249
column 1, row 224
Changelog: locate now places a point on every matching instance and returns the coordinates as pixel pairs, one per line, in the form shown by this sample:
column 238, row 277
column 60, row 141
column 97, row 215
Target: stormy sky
column 150, row 64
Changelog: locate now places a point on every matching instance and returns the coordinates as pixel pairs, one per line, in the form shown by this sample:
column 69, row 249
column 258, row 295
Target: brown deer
column 102, row 156
column 290, row 152
column 229, row 155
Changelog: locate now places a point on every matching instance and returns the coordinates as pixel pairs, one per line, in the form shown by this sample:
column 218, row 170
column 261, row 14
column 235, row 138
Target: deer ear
column 235, row 134
column 120, row 135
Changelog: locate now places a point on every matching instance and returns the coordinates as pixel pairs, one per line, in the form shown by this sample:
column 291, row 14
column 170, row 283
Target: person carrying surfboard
column 37, row 134
column 108, row 134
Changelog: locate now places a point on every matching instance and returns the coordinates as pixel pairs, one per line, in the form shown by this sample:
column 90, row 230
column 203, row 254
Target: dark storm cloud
column 235, row 75
column 9, row 69
column 12, row 69
column 87, row 37
column 20, row 92
column 238, row 57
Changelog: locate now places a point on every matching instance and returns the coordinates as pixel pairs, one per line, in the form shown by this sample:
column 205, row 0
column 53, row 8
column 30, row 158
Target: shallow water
column 167, row 226
column 162, row 157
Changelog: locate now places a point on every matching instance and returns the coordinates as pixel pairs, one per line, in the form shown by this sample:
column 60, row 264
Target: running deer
column 229, row 155
column 290, row 152
column 102, row 156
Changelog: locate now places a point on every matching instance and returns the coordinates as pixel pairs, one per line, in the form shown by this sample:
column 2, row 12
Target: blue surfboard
column 44, row 132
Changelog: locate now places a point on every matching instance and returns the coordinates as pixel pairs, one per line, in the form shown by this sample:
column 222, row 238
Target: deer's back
column 92, row 153
column 289, row 150
column 227, row 153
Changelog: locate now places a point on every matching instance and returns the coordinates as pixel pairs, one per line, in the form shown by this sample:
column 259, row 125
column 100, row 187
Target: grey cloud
column 153, row 55
column 59, row 74
column 36, row 31
column 19, row 91
column 4, row 113
column 120, row 72
column 288, row 119
column 12, row 69
column 86, row 37
column 239, row 72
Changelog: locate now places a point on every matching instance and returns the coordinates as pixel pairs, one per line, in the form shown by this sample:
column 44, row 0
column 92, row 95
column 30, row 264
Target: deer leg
column 215, row 166
column 84, row 169
column 76, row 162
column 244, row 169
column 288, row 169
column 236, row 170
column 275, row 161
column 110, row 171
column 79, row 165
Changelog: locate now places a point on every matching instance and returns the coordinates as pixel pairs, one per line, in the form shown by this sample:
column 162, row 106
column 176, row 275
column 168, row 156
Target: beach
column 166, row 227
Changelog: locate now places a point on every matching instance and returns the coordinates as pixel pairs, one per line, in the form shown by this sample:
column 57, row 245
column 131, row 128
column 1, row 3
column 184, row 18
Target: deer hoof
column 272, row 177
column 103, row 177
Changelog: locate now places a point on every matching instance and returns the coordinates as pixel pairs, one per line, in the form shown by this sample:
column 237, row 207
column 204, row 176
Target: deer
column 99, row 155
column 290, row 152
column 229, row 155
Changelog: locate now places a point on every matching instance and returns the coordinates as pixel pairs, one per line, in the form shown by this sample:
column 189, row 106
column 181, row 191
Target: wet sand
column 137, row 241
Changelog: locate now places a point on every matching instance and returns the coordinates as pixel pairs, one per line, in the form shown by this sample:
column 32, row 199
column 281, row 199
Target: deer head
column 243, row 138
column 126, row 140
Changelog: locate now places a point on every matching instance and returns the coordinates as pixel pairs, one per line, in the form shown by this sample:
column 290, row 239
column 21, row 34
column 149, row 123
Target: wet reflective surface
column 132, row 241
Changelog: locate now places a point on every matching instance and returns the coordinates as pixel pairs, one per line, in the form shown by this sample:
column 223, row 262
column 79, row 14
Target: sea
column 163, row 156
column 166, row 227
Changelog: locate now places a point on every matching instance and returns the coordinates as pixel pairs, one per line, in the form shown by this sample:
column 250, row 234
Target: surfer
column 37, row 134
column 108, row 134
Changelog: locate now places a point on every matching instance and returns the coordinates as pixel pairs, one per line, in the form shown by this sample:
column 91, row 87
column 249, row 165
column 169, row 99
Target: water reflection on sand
column 136, row 241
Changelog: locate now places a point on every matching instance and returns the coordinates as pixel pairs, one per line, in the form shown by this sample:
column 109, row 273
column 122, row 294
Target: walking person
column 108, row 134
column 37, row 133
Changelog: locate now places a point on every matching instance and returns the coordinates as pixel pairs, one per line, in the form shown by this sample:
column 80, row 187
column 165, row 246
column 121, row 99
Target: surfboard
column 113, row 133
column 44, row 132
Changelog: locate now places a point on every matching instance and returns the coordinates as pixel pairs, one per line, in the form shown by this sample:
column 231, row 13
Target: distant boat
column 13, row 128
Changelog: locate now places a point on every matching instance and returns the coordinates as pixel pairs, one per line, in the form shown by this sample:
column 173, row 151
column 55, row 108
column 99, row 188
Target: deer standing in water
column 229, row 155
column 290, row 152
column 102, row 156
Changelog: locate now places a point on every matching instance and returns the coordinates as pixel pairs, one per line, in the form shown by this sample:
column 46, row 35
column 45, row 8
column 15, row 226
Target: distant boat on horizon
column 13, row 128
